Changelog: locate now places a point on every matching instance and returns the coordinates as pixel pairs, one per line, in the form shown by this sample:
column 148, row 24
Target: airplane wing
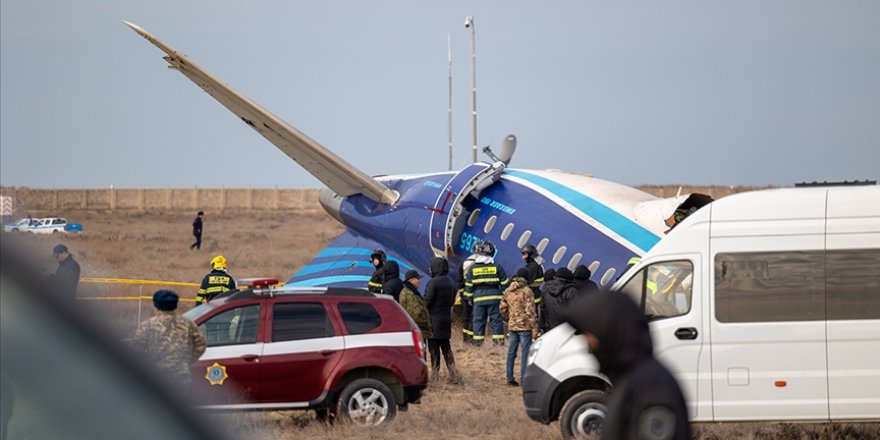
column 330, row 169
column 344, row 262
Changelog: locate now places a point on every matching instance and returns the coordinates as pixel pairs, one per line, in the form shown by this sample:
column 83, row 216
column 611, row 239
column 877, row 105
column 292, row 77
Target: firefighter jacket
column 517, row 307
column 376, row 281
column 485, row 280
column 214, row 283
column 414, row 305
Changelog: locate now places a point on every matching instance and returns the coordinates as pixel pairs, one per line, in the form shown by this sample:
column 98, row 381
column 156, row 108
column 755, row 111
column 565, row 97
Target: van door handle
column 686, row 333
column 327, row 352
column 249, row 357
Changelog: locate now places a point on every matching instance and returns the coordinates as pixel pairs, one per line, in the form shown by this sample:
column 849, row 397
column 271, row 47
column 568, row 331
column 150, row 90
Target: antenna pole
column 449, row 119
column 469, row 22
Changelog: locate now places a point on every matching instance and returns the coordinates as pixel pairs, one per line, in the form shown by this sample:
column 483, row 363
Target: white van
column 764, row 305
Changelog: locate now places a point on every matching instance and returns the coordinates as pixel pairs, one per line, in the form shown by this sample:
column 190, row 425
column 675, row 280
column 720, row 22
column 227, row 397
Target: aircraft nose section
column 331, row 202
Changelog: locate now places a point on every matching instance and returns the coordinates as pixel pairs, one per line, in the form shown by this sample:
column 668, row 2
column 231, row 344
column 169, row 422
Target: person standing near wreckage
column 197, row 231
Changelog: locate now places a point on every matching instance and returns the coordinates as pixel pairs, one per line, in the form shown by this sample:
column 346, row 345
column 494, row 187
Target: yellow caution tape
column 130, row 281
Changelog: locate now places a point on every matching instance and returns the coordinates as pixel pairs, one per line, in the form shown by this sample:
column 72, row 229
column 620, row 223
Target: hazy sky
column 693, row 92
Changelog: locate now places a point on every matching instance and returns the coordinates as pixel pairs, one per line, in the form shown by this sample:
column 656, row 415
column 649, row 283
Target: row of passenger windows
column 526, row 235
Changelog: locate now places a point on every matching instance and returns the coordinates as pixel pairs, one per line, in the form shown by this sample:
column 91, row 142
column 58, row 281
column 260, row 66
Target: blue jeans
column 487, row 310
column 518, row 338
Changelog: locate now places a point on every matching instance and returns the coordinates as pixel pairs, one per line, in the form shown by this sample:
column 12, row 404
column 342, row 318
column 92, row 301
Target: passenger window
column 770, row 286
column 853, row 283
column 490, row 224
column 607, row 277
column 594, row 267
column 472, row 220
column 296, row 321
column 524, row 238
column 557, row 257
column 359, row 318
column 575, row 260
column 665, row 292
column 542, row 245
column 506, row 231
column 234, row 326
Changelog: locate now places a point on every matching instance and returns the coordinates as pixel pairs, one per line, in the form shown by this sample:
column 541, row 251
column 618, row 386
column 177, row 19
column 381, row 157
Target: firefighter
column 464, row 297
column 215, row 282
column 378, row 259
column 485, row 281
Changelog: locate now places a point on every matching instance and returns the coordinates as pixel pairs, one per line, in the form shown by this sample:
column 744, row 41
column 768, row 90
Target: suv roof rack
column 838, row 183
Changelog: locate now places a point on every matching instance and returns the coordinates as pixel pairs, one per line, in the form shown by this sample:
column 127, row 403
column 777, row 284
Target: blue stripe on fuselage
column 613, row 220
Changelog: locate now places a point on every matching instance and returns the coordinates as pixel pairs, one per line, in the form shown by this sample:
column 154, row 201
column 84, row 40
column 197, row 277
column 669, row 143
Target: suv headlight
column 533, row 350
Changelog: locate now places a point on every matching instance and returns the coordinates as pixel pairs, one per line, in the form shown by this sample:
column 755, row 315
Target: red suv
column 343, row 352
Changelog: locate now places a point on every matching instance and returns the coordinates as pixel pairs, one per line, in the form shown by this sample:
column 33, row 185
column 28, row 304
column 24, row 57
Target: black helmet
column 484, row 247
column 380, row 254
column 530, row 250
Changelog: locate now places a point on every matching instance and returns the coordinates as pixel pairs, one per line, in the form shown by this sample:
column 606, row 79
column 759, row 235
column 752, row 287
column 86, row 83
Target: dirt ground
column 155, row 246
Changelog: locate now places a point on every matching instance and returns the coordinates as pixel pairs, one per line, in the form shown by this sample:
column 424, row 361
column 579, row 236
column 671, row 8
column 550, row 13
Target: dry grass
column 156, row 246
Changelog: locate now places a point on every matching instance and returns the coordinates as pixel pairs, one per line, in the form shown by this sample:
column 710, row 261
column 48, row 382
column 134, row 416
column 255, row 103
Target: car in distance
column 346, row 353
column 16, row 226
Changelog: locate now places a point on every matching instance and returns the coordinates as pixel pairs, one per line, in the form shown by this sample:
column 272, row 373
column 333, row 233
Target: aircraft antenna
column 449, row 118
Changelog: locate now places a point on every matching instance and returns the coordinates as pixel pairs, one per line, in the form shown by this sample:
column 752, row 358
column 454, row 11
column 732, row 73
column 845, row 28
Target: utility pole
column 449, row 118
column 469, row 23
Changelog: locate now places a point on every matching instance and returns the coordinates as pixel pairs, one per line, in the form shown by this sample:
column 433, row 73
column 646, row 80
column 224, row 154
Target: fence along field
column 154, row 245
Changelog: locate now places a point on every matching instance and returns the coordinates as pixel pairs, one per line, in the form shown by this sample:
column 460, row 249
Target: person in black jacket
column 582, row 281
column 646, row 402
column 439, row 298
column 393, row 284
column 378, row 259
column 558, row 295
column 66, row 277
column 197, row 231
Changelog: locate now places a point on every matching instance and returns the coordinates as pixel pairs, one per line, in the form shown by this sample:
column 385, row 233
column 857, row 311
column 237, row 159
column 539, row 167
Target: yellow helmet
column 218, row 262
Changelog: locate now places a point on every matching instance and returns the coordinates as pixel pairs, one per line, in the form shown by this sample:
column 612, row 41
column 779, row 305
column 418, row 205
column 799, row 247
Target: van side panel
column 853, row 291
column 768, row 351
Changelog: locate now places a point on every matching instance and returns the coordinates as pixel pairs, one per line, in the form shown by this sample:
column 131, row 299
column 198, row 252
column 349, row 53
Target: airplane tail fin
column 339, row 175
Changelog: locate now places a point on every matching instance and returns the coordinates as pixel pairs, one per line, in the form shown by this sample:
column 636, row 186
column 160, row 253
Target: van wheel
column 366, row 402
column 583, row 415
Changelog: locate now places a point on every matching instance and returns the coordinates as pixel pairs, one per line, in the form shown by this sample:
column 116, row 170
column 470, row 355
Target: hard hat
column 486, row 248
column 218, row 262
column 378, row 253
column 530, row 250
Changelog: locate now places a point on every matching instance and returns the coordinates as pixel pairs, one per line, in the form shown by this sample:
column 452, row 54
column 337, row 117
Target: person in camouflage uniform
column 414, row 304
column 170, row 341
column 517, row 308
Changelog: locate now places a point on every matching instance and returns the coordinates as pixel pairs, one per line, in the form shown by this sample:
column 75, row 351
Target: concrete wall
column 189, row 199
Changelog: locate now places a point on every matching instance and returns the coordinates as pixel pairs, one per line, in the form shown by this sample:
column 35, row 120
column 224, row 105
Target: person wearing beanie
column 518, row 309
column 647, row 401
column 582, row 281
column 169, row 341
column 558, row 294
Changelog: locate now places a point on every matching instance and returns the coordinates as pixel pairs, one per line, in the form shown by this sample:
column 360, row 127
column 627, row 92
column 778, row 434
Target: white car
column 48, row 225
column 21, row 225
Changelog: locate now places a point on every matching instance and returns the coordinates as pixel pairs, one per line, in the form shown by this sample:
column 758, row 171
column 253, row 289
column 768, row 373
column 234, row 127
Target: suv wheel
column 366, row 402
column 583, row 415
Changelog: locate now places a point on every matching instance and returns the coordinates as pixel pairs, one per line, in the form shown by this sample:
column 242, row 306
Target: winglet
column 340, row 176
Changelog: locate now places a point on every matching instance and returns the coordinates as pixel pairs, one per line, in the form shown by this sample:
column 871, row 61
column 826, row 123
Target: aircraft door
column 448, row 207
